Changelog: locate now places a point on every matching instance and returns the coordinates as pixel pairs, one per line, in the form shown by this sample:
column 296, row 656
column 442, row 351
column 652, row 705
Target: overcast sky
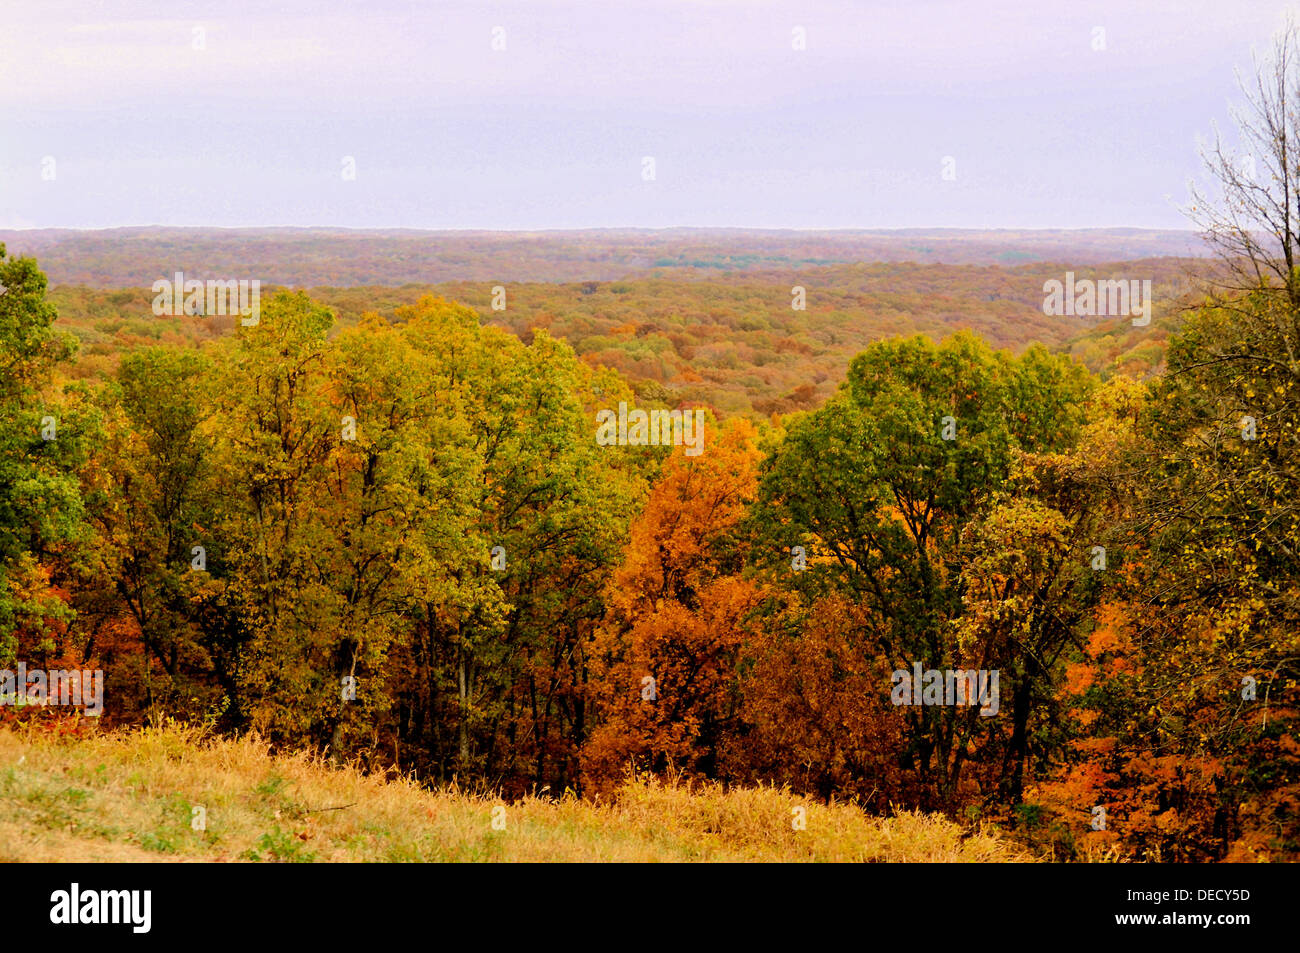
column 552, row 131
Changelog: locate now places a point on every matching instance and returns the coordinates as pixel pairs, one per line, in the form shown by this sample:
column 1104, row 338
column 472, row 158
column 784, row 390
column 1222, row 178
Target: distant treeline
column 307, row 257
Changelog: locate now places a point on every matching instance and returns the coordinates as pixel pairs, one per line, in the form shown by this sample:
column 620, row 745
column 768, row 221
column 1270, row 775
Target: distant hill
column 299, row 257
column 686, row 315
column 730, row 340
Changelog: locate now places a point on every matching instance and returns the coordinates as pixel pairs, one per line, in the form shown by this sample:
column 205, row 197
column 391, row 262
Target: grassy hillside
column 129, row 796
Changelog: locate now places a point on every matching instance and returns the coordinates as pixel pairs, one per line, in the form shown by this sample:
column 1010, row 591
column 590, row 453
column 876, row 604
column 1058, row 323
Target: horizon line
column 617, row 228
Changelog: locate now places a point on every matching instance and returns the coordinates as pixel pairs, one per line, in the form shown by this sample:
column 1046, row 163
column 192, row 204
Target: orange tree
column 663, row 662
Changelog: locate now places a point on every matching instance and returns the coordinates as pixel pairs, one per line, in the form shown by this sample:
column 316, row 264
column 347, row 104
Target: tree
column 498, row 687
column 663, row 664
column 878, row 485
column 1036, row 566
column 40, row 447
column 1250, row 212
column 1187, row 687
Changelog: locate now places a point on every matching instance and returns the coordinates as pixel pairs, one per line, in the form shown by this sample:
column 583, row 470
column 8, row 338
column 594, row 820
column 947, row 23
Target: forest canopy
column 394, row 538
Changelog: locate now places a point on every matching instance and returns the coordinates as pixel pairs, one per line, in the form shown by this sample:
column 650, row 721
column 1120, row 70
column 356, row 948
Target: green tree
column 40, row 446
column 879, row 483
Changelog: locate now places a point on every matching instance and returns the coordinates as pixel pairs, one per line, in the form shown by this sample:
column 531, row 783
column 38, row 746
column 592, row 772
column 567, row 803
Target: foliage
column 393, row 539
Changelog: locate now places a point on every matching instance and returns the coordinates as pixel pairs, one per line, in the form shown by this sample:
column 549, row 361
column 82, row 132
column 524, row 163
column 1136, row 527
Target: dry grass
column 128, row 795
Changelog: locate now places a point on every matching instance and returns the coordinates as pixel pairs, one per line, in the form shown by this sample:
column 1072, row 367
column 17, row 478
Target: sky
column 542, row 114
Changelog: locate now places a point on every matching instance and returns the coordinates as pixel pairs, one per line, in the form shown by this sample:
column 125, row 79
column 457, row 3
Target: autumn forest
column 233, row 520
column 730, row 544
